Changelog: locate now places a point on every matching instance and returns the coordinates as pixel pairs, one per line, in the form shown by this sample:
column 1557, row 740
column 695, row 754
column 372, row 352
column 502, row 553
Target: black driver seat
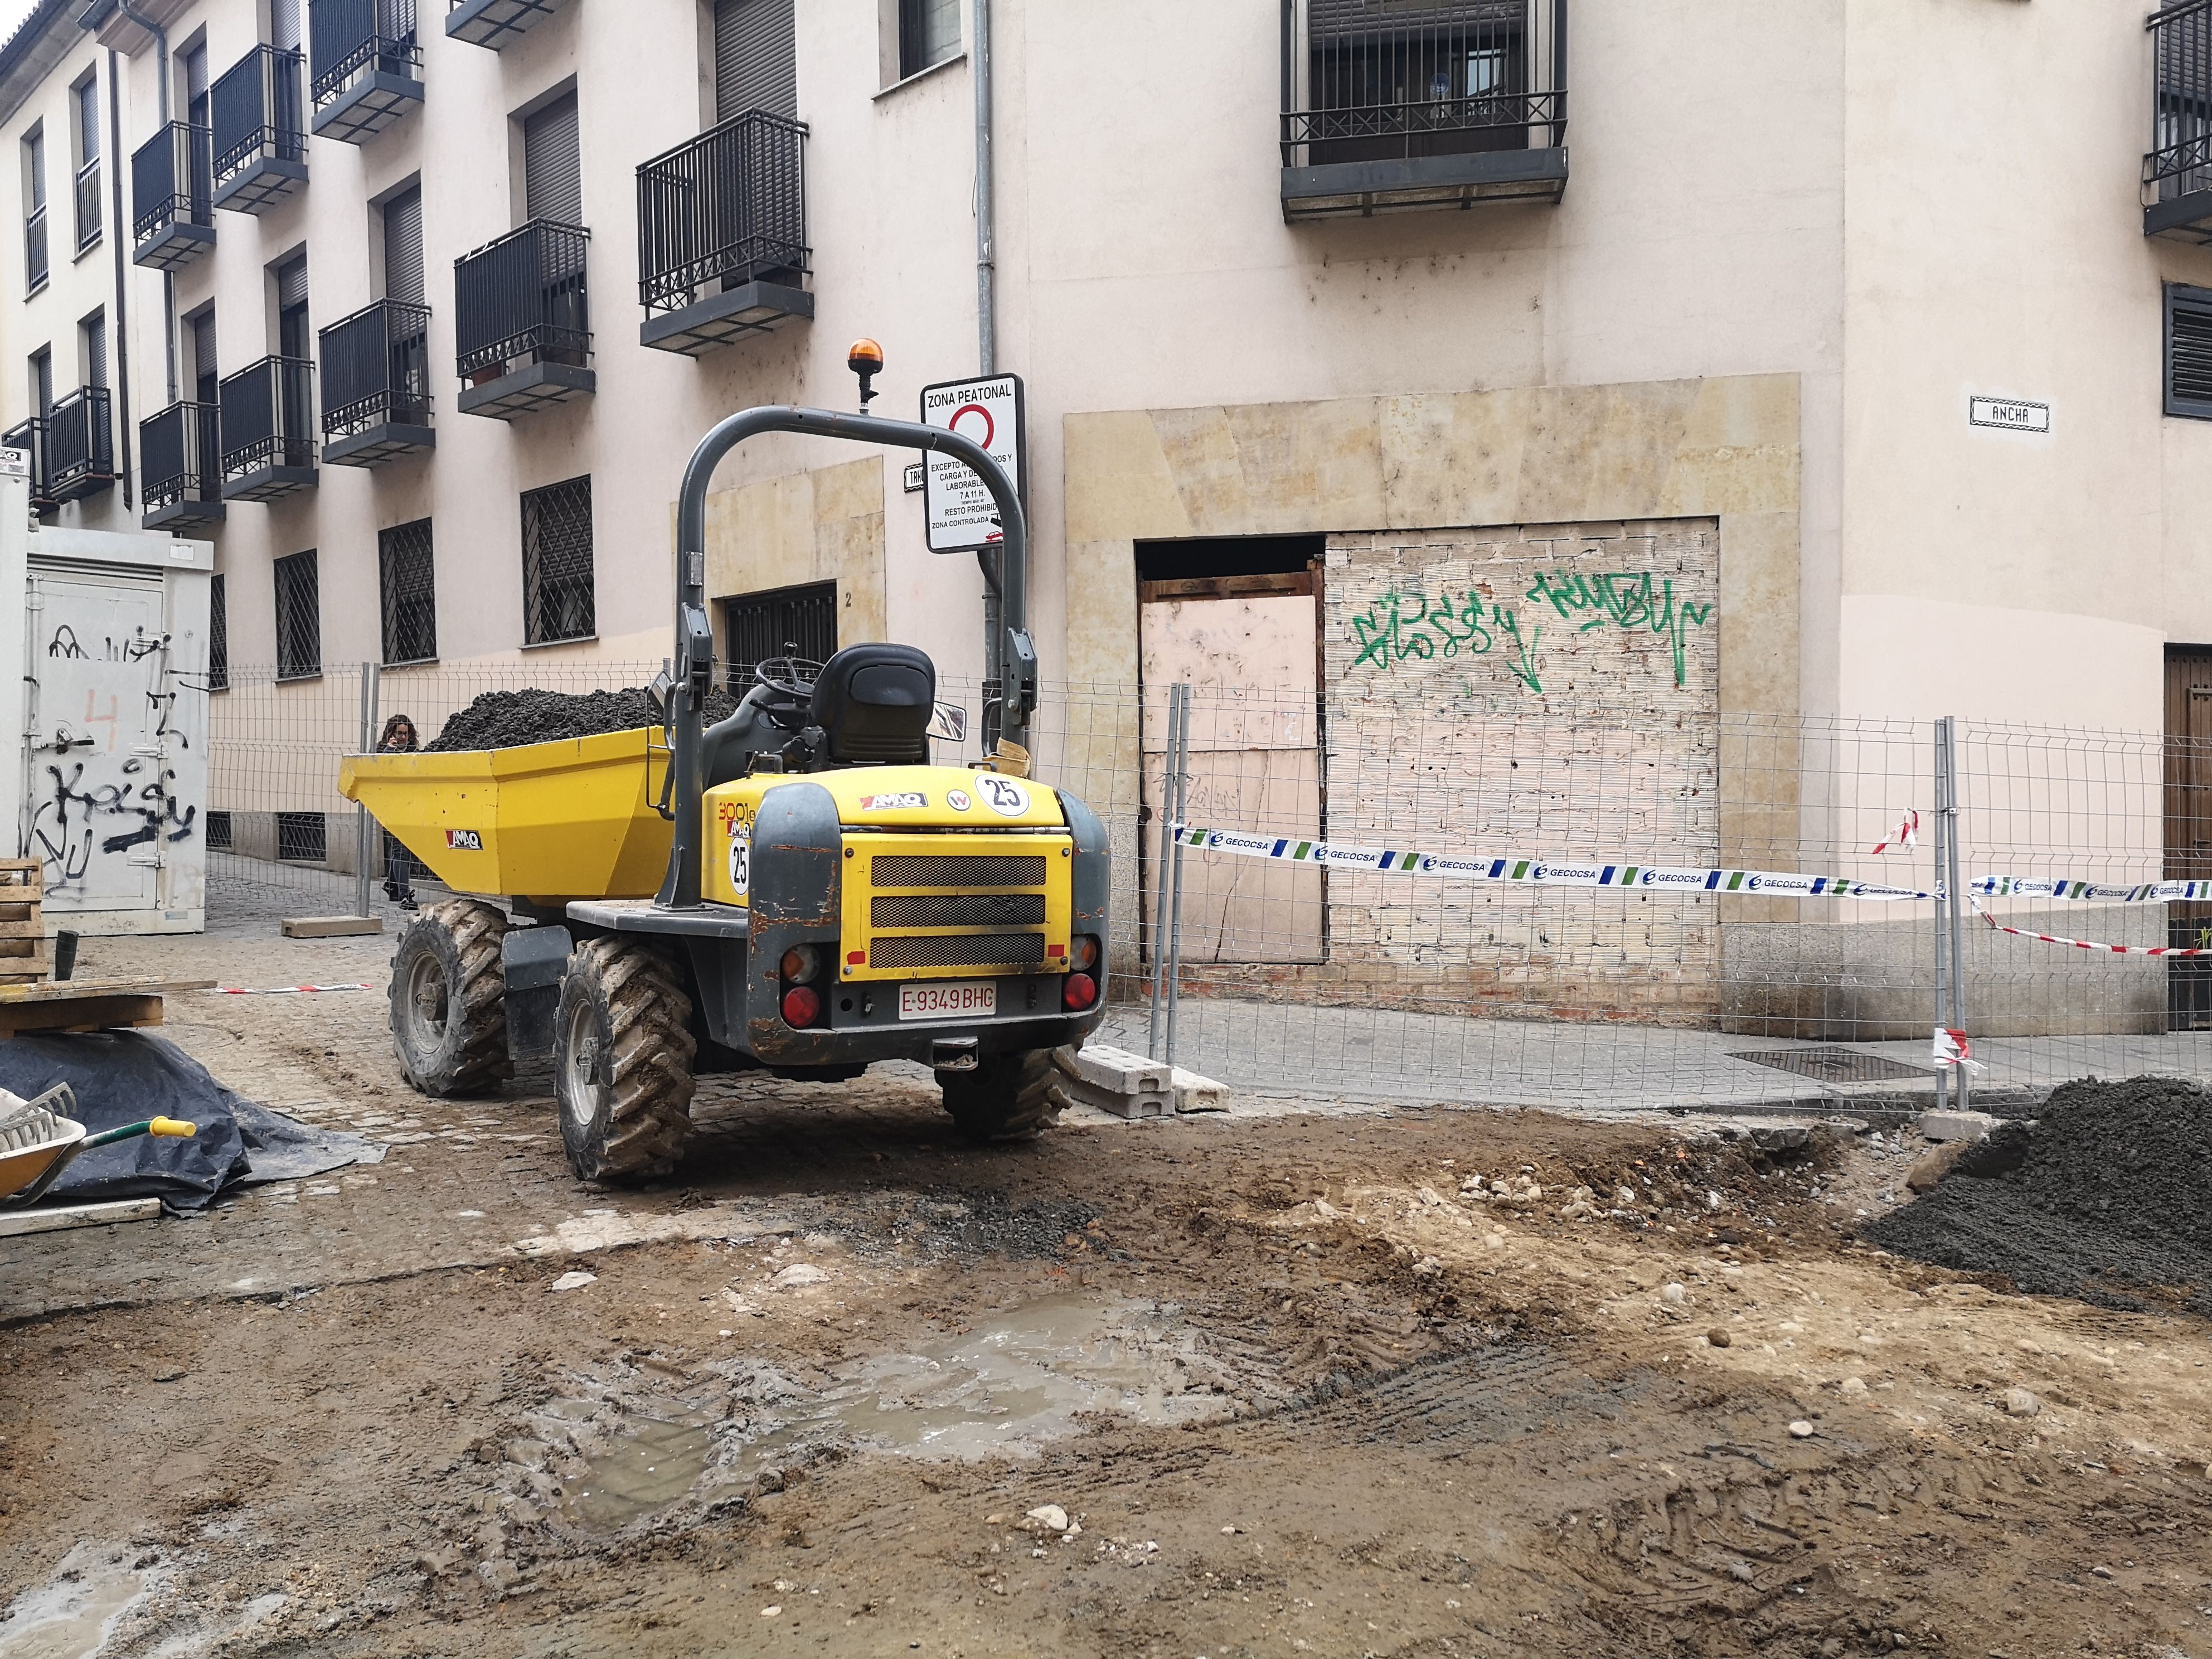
column 874, row 703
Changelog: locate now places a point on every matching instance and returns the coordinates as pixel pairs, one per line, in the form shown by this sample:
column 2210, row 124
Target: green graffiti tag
column 1626, row 600
column 1410, row 628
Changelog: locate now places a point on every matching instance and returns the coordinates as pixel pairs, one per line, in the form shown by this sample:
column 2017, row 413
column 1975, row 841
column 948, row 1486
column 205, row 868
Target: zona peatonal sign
column 959, row 511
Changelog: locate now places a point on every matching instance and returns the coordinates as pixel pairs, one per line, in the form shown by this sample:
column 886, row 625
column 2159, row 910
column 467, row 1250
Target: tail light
column 1084, row 954
column 801, row 964
column 1078, row 991
column 802, row 1006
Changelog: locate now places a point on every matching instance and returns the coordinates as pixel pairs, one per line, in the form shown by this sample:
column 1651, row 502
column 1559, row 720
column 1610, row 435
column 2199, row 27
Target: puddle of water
column 655, row 1463
column 70, row 1619
column 1017, row 1376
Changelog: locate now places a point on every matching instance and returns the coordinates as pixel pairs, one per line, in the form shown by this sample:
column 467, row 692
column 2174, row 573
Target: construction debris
column 507, row 720
column 1115, row 1080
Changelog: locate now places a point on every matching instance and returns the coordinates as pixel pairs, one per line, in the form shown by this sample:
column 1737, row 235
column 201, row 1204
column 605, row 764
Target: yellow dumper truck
column 795, row 889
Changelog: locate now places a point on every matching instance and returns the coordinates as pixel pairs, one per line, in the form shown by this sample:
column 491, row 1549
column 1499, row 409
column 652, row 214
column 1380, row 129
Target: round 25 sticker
column 1002, row 795
column 741, row 858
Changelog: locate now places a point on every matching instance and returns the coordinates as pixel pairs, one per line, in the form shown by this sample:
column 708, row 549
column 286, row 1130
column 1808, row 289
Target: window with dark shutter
column 402, row 247
column 2189, row 351
column 929, row 33
column 205, row 381
column 95, row 349
column 88, row 121
column 284, row 25
column 292, row 308
column 552, row 168
column 557, row 601
column 42, row 381
column 755, row 58
column 299, row 617
column 410, row 589
column 196, row 86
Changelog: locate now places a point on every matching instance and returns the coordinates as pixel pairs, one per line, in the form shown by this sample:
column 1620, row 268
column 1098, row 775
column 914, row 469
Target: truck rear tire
column 622, row 1061
column 449, row 999
column 1008, row 1096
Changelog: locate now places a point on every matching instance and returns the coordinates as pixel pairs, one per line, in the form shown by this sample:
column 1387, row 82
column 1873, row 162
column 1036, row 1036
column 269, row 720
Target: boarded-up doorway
column 2189, row 830
column 1238, row 621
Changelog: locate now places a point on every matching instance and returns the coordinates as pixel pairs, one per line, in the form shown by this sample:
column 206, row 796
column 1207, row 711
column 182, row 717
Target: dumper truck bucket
column 550, row 822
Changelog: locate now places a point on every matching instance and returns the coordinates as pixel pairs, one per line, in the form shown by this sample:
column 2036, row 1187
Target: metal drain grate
column 1835, row 1065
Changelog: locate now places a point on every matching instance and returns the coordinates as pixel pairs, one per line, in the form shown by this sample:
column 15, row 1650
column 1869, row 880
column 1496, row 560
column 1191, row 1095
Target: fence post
column 1160, row 874
column 1182, row 751
column 1955, row 894
column 361, row 857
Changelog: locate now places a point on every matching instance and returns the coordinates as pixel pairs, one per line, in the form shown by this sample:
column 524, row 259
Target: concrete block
column 1115, row 1069
column 1956, row 1126
column 330, row 926
column 1152, row 1104
column 17, row 1223
column 1193, row 1093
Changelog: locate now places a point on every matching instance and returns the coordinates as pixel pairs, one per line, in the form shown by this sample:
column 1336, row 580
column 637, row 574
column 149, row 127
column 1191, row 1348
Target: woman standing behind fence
column 398, row 739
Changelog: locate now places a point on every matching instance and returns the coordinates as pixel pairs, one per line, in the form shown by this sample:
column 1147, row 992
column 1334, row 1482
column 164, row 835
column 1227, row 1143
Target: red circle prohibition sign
column 990, row 426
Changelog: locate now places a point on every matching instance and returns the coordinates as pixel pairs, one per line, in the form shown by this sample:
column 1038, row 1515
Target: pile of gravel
column 507, row 720
column 2108, row 1198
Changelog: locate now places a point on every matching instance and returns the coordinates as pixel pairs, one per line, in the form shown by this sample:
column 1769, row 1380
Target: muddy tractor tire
column 1007, row 1097
column 449, row 1000
column 622, row 1061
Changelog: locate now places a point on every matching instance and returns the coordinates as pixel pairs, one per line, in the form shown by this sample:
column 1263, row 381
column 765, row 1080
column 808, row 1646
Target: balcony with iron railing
column 367, row 65
column 80, row 445
column 496, row 23
column 30, row 437
column 90, row 219
column 721, row 234
column 1422, row 105
column 268, row 429
column 172, row 198
column 35, row 267
column 376, row 384
column 260, row 142
column 522, row 321
column 181, row 466
column 2177, row 173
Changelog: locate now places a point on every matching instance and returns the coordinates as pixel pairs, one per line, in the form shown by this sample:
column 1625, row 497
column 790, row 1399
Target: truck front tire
column 449, row 1000
column 622, row 1061
column 1008, row 1096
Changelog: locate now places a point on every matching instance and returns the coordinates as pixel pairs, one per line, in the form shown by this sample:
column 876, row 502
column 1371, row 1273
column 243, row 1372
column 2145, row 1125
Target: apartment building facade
column 1818, row 383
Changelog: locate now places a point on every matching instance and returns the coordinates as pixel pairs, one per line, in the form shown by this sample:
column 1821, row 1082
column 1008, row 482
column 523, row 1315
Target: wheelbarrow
column 39, row 1139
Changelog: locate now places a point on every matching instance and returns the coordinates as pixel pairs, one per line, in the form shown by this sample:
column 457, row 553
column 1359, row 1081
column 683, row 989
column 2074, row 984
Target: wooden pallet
column 23, row 959
column 87, row 1005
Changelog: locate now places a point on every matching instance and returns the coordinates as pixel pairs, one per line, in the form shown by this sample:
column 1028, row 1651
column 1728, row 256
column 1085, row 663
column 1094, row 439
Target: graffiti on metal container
column 1626, row 599
column 73, row 820
column 137, row 647
column 1402, row 627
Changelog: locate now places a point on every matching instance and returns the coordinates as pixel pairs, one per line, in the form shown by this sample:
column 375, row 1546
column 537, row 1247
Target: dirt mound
column 2107, row 1198
column 507, row 720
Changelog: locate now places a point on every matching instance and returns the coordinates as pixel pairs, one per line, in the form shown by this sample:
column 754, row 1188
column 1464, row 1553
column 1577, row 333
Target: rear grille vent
column 959, row 910
column 943, row 870
column 958, row 951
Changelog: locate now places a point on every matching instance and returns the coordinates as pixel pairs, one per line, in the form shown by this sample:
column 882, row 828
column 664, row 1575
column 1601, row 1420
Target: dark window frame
column 218, row 633
column 303, row 838
column 560, row 607
column 407, row 592
column 2197, row 304
column 913, row 45
column 737, row 653
column 299, row 638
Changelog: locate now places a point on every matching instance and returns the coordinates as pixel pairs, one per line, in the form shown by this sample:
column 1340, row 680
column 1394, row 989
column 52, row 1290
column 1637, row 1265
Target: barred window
column 2189, row 351
column 301, row 838
column 299, row 617
column 556, row 563
column 410, row 589
column 799, row 622
column 218, row 832
column 218, row 635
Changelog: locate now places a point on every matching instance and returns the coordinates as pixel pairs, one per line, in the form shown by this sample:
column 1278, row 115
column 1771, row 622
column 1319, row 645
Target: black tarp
column 121, row 1077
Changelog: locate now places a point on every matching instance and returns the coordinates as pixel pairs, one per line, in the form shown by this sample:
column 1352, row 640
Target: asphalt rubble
column 510, row 720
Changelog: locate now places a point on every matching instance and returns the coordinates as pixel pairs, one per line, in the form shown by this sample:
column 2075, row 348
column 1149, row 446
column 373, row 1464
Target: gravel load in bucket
column 2107, row 1196
column 507, row 720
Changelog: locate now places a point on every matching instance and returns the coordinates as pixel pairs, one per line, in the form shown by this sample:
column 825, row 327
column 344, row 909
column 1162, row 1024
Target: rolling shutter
column 402, row 247
column 95, row 349
column 284, row 25
column 755, row 58
column 2189, row 351
column 292, row 283
column 203, row 371
column 552, row 169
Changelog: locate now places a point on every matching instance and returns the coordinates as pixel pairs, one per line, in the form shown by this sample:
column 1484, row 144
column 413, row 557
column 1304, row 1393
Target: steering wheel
column 791, row 679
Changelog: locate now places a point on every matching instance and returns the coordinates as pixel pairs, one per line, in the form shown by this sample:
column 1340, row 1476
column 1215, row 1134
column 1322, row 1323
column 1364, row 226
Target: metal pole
column 1939, row 824
column 1175, row 861
column 1954, row 895
column 1160, row 882
column 986, row 303
column 361, row 857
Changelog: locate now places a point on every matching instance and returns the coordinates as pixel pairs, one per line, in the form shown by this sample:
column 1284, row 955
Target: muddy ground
column 1293, row 1387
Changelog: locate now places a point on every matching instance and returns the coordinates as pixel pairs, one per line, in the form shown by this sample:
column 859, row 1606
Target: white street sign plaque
column 961, row 514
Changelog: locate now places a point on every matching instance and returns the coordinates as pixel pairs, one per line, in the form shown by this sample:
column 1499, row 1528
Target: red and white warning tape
column 1906, row 834
column 2091, row 944
column 282, row 990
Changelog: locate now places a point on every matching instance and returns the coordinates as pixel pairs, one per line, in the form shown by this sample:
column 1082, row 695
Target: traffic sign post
column 957, row 509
